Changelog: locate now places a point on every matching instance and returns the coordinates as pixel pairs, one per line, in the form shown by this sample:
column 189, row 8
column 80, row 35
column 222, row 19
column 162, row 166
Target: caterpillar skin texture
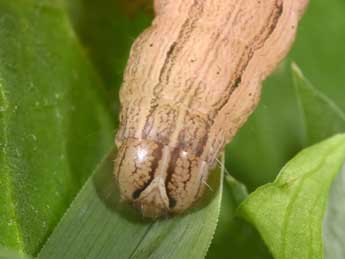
column 192, row 79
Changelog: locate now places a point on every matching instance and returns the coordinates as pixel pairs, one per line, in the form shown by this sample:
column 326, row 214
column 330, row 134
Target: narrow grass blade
column 98, row 225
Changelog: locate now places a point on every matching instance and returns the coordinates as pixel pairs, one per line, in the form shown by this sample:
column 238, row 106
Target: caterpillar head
column 157, row 179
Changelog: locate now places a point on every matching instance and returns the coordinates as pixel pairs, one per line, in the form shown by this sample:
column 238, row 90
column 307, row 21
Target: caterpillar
column 192, row 79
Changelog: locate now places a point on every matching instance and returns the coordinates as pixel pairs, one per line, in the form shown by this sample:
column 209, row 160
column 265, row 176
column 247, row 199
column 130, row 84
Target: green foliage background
column 61, row 65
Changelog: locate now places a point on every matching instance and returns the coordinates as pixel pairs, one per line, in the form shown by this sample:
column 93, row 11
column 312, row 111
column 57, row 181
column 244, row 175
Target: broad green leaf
column 98, row 225
column 333, row 230
column 6, row 253
column 321, row 116
column 54, row 124
column 235, row 238
column 107, row 29
column 289, row 212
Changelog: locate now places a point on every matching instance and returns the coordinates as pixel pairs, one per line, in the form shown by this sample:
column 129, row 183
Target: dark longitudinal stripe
column 171, row 169
column 203, row 142
column 273, row 20
column 194, row 14
column 122, row 151
column 168, row 58
column 257, row 43
column 215, row 41
column 157, row 156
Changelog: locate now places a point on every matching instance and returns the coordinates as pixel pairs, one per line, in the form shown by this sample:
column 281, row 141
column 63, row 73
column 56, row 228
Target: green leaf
column 322, row 117
column 54, row 123
column 333, row 231
column 10, row 254
column 234, row 236
column 98, row 225
column 289, row 212
column 107, row 29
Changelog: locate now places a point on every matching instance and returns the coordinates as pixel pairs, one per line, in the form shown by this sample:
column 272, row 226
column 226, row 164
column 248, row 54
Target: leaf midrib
column 295, row 196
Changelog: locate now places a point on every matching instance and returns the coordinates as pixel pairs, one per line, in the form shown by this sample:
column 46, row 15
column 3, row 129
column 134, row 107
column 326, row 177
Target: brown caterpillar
column 191, row 81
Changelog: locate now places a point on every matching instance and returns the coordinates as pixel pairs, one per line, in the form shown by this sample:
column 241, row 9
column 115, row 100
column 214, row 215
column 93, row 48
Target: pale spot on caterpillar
column 142, row 153
column 191, row 82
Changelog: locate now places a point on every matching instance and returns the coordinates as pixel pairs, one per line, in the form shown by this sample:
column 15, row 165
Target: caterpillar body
column 192, row 79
